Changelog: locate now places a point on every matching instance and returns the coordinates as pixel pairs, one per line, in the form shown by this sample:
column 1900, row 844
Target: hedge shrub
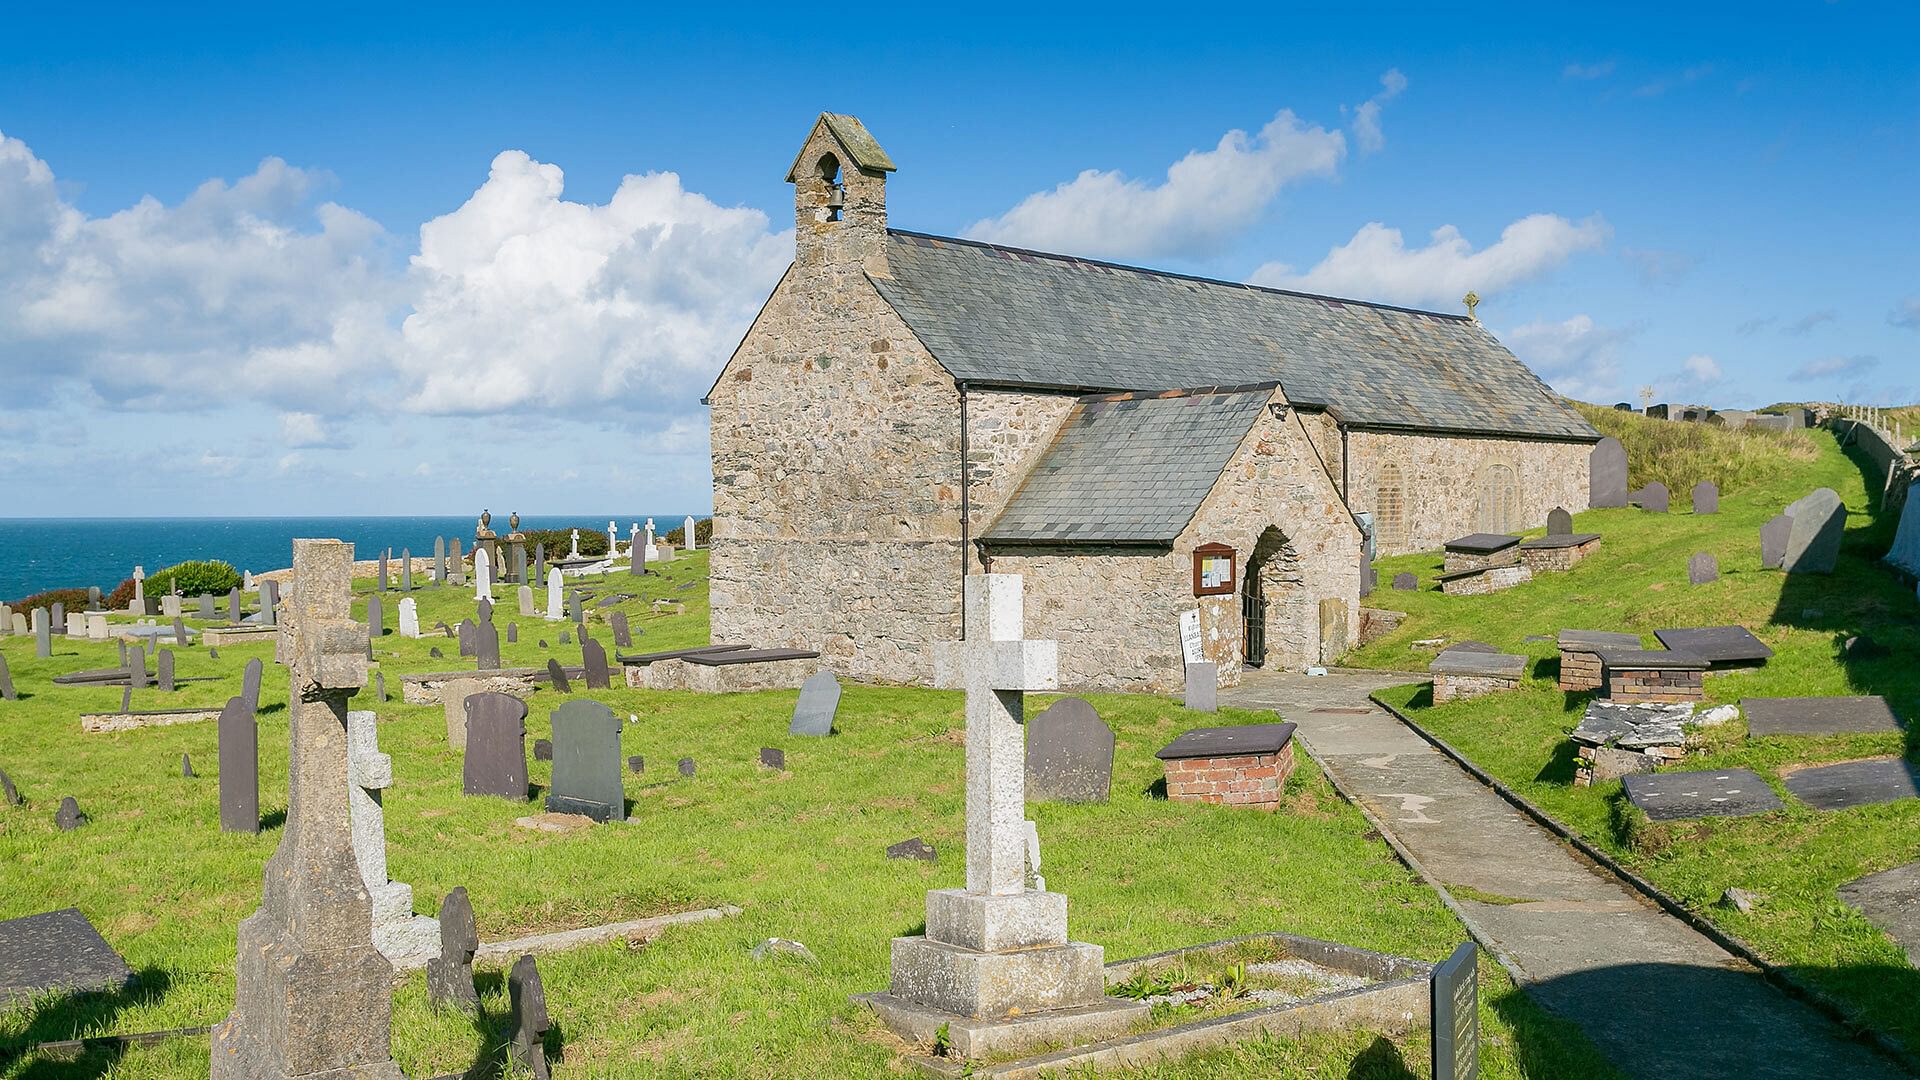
column 209, row 576
column 593, row 541
column 74, row 599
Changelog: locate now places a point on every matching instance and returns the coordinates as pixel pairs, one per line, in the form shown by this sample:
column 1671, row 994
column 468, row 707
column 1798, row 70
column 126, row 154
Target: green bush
column 74, row 599
column 208, row 576
column 702, row 531
column 593, row 541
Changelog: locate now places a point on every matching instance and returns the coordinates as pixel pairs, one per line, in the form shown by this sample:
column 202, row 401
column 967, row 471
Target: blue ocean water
column 52, row 553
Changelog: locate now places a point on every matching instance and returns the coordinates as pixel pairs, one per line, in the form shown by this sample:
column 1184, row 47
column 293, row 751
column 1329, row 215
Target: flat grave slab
column 1652, row 660
column 1712, row 793
column 1634, row 727
column 642, row 659
column 1716, row 644
column 57, row 951
column 1228, row 741
column 1818, row 716
column 1563, row 540
column 1473, row 662
column 1482, row 543
column 731, row 657
column 1854, row 783
column 1589, row 640
column 1890, row 900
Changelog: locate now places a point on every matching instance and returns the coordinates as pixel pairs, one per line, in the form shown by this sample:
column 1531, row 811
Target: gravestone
column 69, row 817
column 205, row 611
column 595, row 659
column 1203, row 687
column 1702, row 568
column 126, row 700
column 453, row 707
column 250, row 685
column 819, row 701
column 482, row 575
column 233, row 606
column 180, row 632
column 556, row 582
column 1858, row 715
column 1847, row 784
column 1714, row 793
column 439, row 560
column 636, row 557
column 1607, row 476
column 313, row 996
column 486, row 646
column 1813, row 541
column 1069, row 754
column 513, row 633
column 692, row 536
column 1654, row 498
column 467, row 643
column 137, row 667
column 914, row 848
column 9, row 795
column 1706, row 498
column 58, row 620
column 399, row 934
column 435, row 653
column 586, row 762
column 558, row 676
column 406, row 570
column 186, row 768
column 1456, row 1015
column 575, row 612
column 410, row 618
column 566, row 637
column 527, row 1000
column 93, row 598
column 525, row 595
column 456, row 563
column 496, row 746
column 163, row 665
column 381, row 585
column 636, row 764
column 6, row 682
column 543, row 750
column 773, row 758
column 376, row 619
column 539, row 564
column 622, row 635
column 269, row 604
column 42, row 634
column 57, row 953
column 1559, row 522
column 1716, row 644
column 1404, row 581
column 379, row 686
column 450, row 975
column 687, row 767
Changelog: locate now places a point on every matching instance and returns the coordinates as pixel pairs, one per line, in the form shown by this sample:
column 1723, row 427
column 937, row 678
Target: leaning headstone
column 180, row 632
column 586, row 762
column 239, row 760
column 313, row 996
column 42, row 634
column 557, row 675
column 9, row 795
column 6, row 682
column 819, row 701
column 496, row 746
column 1203, row 687
column 525, row 595
column 186, row 767
column 409, row 618
column 1706, row 498
column 486, row 647
column 595, row 659
column 399, row 934
column 622, row 634
column 1559, row 522
column 1654, row 498
column 69, row 817
column 1607, row 474
column 450, row 975
column 527, row 1000
column 1813, row 542
column 1404, row 581
column 1069, row 754
column 1702, row 568
column 163, row 665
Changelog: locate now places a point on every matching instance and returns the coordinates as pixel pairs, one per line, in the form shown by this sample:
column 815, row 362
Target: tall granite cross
column 997, row 668
column 398, row 933
column 313, row 996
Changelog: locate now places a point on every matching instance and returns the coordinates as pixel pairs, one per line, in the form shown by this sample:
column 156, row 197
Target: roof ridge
column 1182, row 392
column 1175, row 275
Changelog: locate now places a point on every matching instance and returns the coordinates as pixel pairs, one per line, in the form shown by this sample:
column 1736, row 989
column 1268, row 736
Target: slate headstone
column 381, row 585
column 42, row 634
column 1677, row 796
column 163, row 665
column 1654, row 498
column 557, row 675
column 524, row 594
column 1813, row 541
column 467, row 643
column 57, row 953
column 233, row 606
column 586, row 762
column 1706, row 498
column 1405, row 581
column 486, row 647
column 450, row 975
column 1702, row 568
column 6, row 682
column 513, row 633
column 69, row 817
column 379, row 686
column 915, row 848
column 376, row 619
column 687, row 767
column 436, row 653
column 186, row 767
column 59, row 618
column 496, row 759
column 543, row 750
column 9, row 794
column 93, row 598
column 250, row 685
column 636, row 764
column 406, row 570
column 1069, row 754
column 1607, row 474
column 239, row 761
column 595, row 659
column 528, row 1002
column 773, row 758
column 1559, row 522
column 819, row 701
column 137, row 667
column 1455, row 997
column 622, row 635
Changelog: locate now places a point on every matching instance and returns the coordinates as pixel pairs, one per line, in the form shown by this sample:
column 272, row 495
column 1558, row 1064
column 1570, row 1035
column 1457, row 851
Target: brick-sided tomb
column 1232, row 766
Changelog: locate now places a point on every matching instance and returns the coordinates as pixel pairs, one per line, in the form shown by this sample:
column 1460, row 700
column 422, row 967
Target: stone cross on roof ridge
column 997, row 667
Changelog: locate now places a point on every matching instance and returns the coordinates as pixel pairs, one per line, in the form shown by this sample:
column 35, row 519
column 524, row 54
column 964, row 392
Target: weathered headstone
column 586, row 762
column 204, row 609
column 687, row 767
column 486, row 646
column 376, row 619
column 914, row 848
column 622, row 634
column 482, row 574
column 450, row 975
column 399, row 934
column 233, row 606
column 93, row 598
column 556, row 602
column 42, row 634
column 467, row 634
column 566, row 637
column 1706, row 498
column 57, row 954
column 1559, row 522
column 137, row 667
column 1714, row 793
column 543, row 749
column 773, row 758
column 180, row 632
column 163, row 666
column 409, row 618
column 528, row 1002
column 594, row 657
column 1203, row 687
column 1404, row 581
column 381, row 584
column 1456, row 1015
column 456, row 563
column 313, row 996
column 69, row 817
column 525, row 595
column 496, row 746
column 513, row 633
column 557, row 675
column 439, row 560
column 1702, row 568
column 692, row 537
column 186, row 767
column 1607, row 476
column 636, row 764
column 539, row 564
column 576, row 612
column 406, row 570
column 9, row 795
column 1654, row 498
column 269, row 603
column 1069, row 754
column 7, row 692
column 818, row 703
column 379, row 686
column 637, row 557
column 1813, row 541
column 250, row 685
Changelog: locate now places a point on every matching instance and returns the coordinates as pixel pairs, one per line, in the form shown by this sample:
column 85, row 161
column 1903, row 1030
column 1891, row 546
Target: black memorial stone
column 586, row 762
column 1773, row 541
column 1818, row 716
column 57, row 952
column 239, row 760
column 69, row 817
column 687, row 767
column 1854, row 783
column 1716, row 644
column 1703, row 568
column 622, row 635
column 1456, row 1015
column 773, row 758
column 527, row 1001
column 450, row 975
column 594, row 658
column 1228, row 741
column 1069, row 754
column 819, row 701
column 496, row 761
column 1404, row 581
column 1712, row 793
column 915, row 848
column 557, row 675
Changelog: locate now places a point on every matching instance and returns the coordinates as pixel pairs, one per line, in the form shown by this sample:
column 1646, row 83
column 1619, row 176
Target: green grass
column 1681, row 455
column 1638, row 582
column 802, row 852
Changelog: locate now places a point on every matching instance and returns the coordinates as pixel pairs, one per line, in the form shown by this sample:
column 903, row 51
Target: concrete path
column 1660, row 1000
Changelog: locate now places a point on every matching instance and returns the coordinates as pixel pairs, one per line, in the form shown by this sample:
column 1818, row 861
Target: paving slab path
column 1658, row 998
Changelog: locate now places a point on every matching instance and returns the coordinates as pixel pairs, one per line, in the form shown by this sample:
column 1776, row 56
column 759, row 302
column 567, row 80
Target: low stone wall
column 425, row 688
column 1237, row 780
column 1637, row 684
column 724, row 678
column 216, row 636
column 1450, row 687
column 1462, row 561
column 1557, row 558
column 1487, row 581
column 103, row 723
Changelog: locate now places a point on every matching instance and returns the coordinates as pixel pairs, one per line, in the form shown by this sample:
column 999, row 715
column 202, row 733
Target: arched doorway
column 1270, row 590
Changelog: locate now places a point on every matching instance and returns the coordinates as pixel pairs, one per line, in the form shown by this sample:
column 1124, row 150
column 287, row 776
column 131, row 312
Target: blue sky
column 393, row 261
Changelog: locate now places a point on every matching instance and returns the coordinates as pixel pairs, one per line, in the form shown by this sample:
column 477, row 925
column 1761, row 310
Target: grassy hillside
column 1681, row 455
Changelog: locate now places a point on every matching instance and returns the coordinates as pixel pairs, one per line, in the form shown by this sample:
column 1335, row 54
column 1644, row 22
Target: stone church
column 1144, row 447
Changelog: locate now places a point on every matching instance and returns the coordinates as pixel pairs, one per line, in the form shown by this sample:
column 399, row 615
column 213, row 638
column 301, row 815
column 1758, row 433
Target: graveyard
column 761, row 857
column 1775, row 865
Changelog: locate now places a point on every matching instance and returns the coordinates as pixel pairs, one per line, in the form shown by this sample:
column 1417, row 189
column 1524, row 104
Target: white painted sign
column 1190, row 635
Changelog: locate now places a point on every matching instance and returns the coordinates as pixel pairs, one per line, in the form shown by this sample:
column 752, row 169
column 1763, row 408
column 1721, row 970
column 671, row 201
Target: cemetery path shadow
column 56, row 1019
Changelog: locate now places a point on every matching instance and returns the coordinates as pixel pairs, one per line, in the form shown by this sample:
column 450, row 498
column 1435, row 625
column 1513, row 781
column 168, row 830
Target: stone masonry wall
column 1007, row 431
column 1442, row 478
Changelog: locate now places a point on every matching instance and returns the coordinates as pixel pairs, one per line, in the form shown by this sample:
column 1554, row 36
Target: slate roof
column 1130, row 468
column 855, row 139
column 1002, row 316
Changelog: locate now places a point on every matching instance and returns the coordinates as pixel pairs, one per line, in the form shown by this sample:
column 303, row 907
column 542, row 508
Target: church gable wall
column 1425, row 490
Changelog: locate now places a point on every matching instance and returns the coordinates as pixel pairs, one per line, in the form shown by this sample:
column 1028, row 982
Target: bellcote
column 839, row 183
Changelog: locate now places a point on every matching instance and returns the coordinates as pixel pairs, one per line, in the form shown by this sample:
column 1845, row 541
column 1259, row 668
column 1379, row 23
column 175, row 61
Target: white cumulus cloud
column 1377, row 264
column 1576, row 356
column 1207, row 197
column 1366, row 117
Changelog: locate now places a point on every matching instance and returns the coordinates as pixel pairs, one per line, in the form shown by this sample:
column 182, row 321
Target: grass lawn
column 1638, row 582
column 802, row 852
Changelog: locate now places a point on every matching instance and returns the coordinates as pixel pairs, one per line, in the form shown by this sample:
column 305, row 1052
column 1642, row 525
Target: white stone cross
column 556, row 602
column 613, row 541
column 692, row 544
column 997, row 668
column 575, row 553
column 139, row 583
column 482, row 575
column 397, row 932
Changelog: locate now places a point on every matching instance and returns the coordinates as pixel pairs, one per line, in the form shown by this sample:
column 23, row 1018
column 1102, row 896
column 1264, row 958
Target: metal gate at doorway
column 1253, row 615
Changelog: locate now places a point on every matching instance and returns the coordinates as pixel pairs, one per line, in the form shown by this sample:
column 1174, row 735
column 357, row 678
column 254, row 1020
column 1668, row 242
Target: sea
column 55, row 553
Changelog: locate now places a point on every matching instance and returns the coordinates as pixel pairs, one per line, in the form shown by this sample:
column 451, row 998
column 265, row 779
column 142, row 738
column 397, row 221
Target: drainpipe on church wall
column 1343, row 465
column 966, row 509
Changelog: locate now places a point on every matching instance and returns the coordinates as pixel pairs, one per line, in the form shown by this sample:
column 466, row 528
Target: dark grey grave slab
column 772, row 758
column 1455, row 997
column 543, row 750
column 42, row 634
column 1654, row 498
column 586, row 762
column 239, row 761
column 1598, row 639
column 622, row 635
column 687, row 767
column 69, row 817
column 1813, row 541
column 557, row 675
column 1706, row 498
column 575, row 609
column 466, row 635
column 1652, row 660
column 1703, row 568
column 376, row 619
column 1716, row 644
column 1633, row 726
column 186, row 768
column 126, row 700
column 1712, row 793
column 59, row 619
column 450, row 975
column 1559, row 522
column 1405, row 581
column 594, row 659
column 819, row 702
column 9, row 794
column 137, row 667
column 527, row 1003
column 643, row 659
column 496, row 761
column 1773, row 541
column 486, row 647
column 1472, row 647
column 57, row 952
column 730, row 657
column 1818, row 716
column 915, row 848
column 1854, row 783
column 483, row 610
column 123, row 652
column 1469, row 662
column 1481, row 543
column 250, row 685
column 6, row 682
column 1228, row 741
column 1069, row 754
column 1890, row 900
column 163, row 665
column 607, row 601
column 636, row 764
